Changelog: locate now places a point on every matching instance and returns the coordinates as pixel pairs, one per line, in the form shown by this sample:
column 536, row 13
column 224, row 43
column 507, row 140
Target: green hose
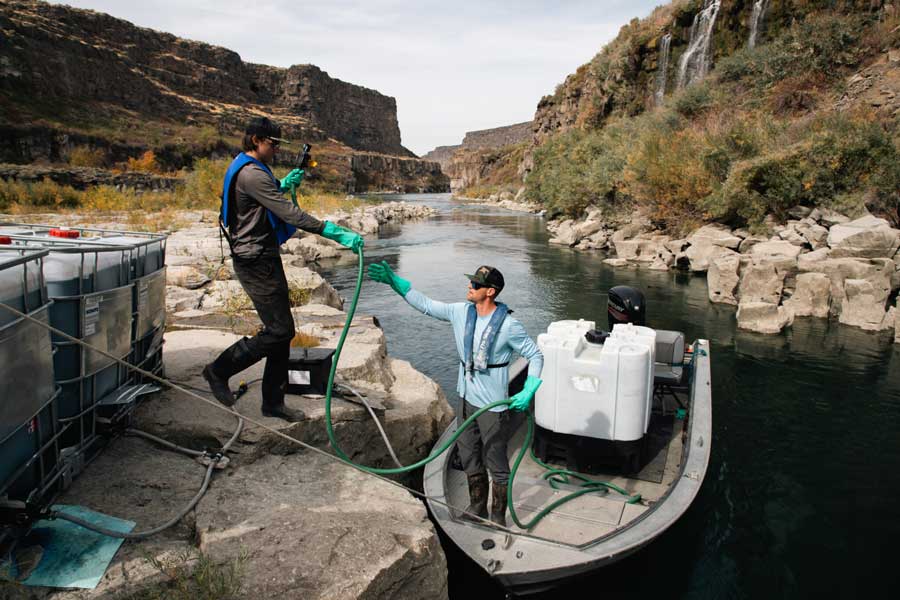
column 553, row 476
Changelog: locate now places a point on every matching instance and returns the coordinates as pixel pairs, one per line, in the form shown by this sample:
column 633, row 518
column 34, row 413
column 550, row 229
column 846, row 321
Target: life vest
column 283, row 231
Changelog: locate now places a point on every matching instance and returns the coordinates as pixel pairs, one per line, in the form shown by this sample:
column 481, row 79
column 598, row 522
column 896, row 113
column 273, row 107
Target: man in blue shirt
column 486, row 338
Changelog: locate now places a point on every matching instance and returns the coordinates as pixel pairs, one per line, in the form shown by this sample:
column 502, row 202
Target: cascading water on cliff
column 661, row 73
column 759, row 14
column 694, row 62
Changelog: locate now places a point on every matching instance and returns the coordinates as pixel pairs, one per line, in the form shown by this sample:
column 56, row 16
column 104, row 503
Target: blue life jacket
column 283, row 231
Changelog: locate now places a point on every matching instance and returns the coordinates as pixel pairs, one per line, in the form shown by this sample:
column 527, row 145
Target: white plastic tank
column 602, row 391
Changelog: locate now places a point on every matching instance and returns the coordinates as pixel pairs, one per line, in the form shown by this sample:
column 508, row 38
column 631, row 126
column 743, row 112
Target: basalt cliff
column 484, row 157
column 78, row 78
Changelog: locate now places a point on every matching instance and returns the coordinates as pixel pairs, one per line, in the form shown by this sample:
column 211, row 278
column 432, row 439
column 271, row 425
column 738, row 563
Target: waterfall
column 759, row 13
column 662, row 71
column 694, row 62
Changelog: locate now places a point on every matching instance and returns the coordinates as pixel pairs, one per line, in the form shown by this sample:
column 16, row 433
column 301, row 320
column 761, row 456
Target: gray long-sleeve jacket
column 251, row 232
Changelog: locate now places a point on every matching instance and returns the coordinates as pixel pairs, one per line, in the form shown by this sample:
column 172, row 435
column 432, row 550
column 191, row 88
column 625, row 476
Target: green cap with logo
column 488, row 277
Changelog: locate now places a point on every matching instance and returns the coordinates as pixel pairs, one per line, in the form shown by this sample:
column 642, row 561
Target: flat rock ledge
column 514, row 202
column 284, row 521
column 818, row 264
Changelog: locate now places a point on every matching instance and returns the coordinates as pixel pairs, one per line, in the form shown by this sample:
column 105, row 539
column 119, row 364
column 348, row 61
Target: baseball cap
column 487, row 276
column 263, row 127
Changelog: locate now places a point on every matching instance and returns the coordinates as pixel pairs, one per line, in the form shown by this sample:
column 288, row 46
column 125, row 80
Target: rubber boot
column 274, row 384
column 498, row 503
column 478, row 492
column 232, row 361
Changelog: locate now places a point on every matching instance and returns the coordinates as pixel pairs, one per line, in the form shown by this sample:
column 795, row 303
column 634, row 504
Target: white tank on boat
column 597, row 390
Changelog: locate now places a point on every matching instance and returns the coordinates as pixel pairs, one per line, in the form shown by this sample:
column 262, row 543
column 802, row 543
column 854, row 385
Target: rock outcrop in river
column 819, row 264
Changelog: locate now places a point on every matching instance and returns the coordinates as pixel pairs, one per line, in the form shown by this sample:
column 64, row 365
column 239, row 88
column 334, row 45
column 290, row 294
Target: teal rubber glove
column 291, row 180
column 344, row 237
column 522, row 400
column 382, row 273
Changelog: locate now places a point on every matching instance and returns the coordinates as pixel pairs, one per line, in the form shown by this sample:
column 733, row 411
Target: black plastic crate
column 308, row 370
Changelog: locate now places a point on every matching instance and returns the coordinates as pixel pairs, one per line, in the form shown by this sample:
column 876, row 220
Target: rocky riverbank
column 289, row 523
column 818, row 264
column 515, row 202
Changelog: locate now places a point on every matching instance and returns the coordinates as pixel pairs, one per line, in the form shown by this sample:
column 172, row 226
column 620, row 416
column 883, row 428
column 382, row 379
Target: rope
column 250, row 420
column 589, row 486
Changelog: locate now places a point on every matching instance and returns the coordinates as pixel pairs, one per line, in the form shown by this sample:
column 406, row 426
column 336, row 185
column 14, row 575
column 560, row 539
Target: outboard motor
column 626, row 305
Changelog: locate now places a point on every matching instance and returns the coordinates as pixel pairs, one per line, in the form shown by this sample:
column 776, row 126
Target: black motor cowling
column 626, row 305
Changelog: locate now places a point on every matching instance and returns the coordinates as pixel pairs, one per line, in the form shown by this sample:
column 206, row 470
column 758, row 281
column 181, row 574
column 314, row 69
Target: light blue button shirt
column 488, row 386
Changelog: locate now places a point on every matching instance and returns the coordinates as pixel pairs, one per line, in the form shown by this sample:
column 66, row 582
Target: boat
column 595, row 529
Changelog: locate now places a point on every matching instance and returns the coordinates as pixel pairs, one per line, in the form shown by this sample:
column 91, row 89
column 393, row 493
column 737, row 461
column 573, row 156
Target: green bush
column 577, row 169
column 838, row 160
column 693, row 100
column 821, row 43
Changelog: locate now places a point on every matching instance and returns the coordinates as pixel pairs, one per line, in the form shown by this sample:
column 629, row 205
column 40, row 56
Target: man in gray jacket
column 258, row 220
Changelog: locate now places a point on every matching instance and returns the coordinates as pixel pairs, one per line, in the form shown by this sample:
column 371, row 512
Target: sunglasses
column 477, row 286
column 275, row 143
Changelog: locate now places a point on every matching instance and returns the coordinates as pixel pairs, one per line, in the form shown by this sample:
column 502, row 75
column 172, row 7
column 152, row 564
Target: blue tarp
column 74, row 557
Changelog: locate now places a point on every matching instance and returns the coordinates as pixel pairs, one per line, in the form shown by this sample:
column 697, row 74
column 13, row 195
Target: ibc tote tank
column 28, row 428
column 92, row 301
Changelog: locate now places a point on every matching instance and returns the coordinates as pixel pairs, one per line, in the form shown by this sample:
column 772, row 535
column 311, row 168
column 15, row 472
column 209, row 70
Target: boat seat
column 669, row 367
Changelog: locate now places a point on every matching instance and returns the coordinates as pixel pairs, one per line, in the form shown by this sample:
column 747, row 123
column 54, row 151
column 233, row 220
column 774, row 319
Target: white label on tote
column 91, row 315
column 586, row 384
column 298, row 377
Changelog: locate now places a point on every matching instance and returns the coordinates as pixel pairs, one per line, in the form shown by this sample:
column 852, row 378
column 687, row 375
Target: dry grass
column 303, row 340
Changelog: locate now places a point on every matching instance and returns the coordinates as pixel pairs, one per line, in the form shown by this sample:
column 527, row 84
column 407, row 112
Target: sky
column 453, row 66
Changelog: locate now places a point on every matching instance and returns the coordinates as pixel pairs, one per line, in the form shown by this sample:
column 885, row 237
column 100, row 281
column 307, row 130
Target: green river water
column 801, row 495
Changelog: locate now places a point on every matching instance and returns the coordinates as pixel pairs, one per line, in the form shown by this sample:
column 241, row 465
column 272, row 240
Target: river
column 801, row 494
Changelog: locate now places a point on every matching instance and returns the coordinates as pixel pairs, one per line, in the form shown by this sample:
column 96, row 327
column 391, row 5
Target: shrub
column 147, row 163
column 822, row 43
column 85, row 156
column 203, row 186
column 693, row 100
column 838, row 160
column 46, row 193
column 666, row 172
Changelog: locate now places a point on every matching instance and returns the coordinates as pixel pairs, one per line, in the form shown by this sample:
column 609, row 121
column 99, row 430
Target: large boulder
column 186, row 277
column 697, row 256
column 812, row 296
column 587, row 228
column 827, row 217
column 313, row 528
column 863, row 305
column 596, row 241
column 566, row 234
column 878, row 271
column 723, row 277
column 866, row 237
column 644, row 248
column 717, row 235
column 763, row 317
column 761, row 282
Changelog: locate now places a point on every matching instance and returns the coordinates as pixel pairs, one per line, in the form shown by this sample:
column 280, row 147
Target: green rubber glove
column 344, row 237
column 382, row 273
column 291, row 180
column 522, row 400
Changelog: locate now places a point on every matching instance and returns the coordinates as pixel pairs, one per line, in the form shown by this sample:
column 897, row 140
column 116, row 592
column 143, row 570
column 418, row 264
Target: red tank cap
column 65, row 233
column 5, row 239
